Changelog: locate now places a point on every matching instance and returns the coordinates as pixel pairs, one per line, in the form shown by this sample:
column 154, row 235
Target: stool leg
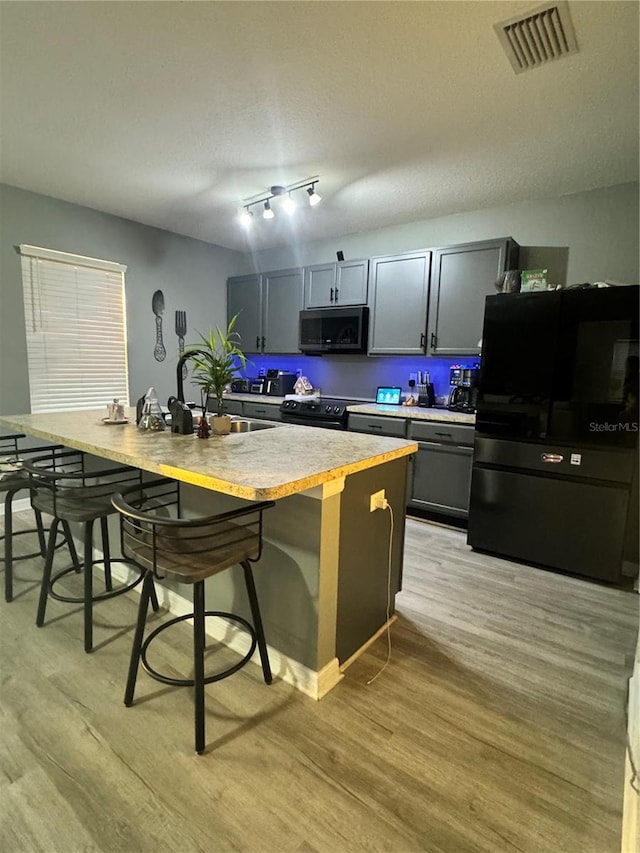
column 257, row 621
column 154, row 599
column 46, row 575
column 88, row 586
column 66, row 527
column 104, row 525
column 40, row 529
column 198, row 663
column 8, row 547
column 148, row 590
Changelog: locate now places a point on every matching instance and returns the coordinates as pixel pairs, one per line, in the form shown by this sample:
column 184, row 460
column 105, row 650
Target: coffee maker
column 463, row 384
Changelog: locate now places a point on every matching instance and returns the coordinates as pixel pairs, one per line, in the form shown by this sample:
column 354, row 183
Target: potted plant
column 215, row 363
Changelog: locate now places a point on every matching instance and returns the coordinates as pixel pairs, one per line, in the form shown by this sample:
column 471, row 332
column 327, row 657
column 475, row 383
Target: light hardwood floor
column 498, row 726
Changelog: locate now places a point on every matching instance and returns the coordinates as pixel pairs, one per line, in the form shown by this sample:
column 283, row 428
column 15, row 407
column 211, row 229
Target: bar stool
column 66, row 490
column 188, row 551
column 13, row 479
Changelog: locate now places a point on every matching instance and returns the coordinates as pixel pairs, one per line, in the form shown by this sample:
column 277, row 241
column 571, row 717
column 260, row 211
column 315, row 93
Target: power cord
column 386, row 505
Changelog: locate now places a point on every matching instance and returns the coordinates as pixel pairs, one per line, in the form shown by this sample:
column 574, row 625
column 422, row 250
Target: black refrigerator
column 555, row 468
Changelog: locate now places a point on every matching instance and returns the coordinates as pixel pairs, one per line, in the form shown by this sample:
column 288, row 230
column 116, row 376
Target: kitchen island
column 323, row 577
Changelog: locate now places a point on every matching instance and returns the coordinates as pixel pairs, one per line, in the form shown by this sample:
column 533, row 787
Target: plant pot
column 220, row 424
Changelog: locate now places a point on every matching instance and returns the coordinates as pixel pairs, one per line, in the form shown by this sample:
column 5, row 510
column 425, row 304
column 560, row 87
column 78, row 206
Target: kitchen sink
column 245, row 425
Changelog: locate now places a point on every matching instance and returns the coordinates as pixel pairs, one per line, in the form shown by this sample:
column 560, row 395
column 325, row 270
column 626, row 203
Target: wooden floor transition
column 498, row 726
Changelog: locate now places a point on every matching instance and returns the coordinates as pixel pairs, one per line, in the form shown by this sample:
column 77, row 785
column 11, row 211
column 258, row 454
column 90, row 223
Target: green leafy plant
column 216, row 361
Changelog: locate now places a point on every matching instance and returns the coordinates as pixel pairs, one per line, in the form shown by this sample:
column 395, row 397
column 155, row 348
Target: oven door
column 314, row 422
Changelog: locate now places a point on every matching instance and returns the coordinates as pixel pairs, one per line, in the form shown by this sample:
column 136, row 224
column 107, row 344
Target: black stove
column 327, row 412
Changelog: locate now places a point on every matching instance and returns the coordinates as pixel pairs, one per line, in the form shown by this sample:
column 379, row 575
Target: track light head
column 246, row 217
column 289, row 205
column 267, row 213
column 314, row 198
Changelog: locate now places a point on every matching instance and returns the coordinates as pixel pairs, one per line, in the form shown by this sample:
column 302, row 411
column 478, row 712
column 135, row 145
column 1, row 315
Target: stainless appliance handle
column 553, row 458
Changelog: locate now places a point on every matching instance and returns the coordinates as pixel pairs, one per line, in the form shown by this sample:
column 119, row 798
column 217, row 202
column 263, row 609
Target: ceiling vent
column 537, row 38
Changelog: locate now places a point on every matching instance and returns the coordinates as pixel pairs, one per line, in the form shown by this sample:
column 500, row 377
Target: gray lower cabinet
column 399, row 288
column 377, row 425
column 442, row 467
column 233, row 407
column 334, row 284
column 461, row 277
column 268, row 307
column 266, row 411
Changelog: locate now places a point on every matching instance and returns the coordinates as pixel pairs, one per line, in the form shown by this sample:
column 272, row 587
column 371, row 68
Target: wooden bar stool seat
column 189, row 551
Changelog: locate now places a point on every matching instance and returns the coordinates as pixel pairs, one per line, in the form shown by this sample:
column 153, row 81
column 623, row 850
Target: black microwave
column 343, row 330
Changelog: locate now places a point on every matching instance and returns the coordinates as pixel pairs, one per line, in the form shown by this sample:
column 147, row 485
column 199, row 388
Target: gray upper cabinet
column 268, row 307
column 282, row 303
column 244, row 298
column 461, row 277
column 398, row 297
column 335, row 284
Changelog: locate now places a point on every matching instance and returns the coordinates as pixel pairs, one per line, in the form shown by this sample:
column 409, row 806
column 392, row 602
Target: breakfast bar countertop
column 263, row 465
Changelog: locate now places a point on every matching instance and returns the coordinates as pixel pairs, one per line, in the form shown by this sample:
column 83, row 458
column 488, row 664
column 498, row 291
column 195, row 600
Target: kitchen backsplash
column 357, row 376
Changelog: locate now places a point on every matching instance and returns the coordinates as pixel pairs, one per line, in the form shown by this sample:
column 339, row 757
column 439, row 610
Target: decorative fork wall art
column 181, row 331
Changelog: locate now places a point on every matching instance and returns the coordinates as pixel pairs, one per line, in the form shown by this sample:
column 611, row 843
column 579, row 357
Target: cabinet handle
column 263, row 342
column 422, row 340
column 554, row 458
column 374, row 426
column 444, row 434
column 434, row 340
column 331, row 294
column 336, row 294
column 258, row 343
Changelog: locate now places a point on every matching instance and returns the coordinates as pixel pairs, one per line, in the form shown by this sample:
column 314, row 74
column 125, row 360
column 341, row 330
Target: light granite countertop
column 263, row 465
column 413, row 412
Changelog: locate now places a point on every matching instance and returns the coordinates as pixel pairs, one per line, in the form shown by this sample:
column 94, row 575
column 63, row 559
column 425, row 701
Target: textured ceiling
column 172, row 113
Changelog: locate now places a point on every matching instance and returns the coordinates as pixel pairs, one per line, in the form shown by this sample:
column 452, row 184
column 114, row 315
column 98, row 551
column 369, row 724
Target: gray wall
column 589, row 236
column 584, row 237
column 192, row 275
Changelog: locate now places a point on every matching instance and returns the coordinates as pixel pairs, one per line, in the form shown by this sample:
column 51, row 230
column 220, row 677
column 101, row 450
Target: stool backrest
column 156, row 541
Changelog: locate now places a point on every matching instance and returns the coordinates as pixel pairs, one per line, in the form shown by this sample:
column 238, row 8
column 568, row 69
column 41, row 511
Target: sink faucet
column 181, row 361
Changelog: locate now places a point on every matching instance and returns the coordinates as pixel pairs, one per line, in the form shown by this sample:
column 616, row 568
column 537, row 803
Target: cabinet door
column 351, row 283
column 400, row 286
column 320, row 286
column 244, row 298
column 461, row 278
column 441, row 479
column 282, row 293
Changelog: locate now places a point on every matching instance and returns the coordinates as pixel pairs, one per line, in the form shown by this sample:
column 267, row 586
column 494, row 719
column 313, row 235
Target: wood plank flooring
column 499, row 725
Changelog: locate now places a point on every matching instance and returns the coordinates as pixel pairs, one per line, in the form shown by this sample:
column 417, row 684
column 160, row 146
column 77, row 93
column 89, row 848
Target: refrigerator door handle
column 554, row 458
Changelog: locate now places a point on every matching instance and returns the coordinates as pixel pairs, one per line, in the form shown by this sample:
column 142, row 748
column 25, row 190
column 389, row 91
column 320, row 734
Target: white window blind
column 75, row 323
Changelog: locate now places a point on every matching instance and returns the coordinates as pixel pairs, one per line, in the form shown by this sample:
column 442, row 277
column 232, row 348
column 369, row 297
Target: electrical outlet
column 377, row 500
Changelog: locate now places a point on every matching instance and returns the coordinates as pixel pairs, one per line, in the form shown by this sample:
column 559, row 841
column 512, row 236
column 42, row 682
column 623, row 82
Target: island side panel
column 364, row 551
column 300, row 544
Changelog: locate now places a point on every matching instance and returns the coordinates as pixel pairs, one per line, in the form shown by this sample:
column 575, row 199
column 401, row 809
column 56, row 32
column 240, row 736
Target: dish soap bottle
column 151, row 419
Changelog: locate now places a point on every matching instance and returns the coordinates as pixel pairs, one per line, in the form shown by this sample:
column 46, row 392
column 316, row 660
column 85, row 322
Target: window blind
column 75, row 326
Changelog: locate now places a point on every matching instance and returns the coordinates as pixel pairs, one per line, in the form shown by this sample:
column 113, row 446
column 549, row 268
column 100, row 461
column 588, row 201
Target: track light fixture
column 288, row 203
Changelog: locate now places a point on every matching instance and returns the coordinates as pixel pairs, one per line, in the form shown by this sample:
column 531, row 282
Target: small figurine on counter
column 204, row 430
